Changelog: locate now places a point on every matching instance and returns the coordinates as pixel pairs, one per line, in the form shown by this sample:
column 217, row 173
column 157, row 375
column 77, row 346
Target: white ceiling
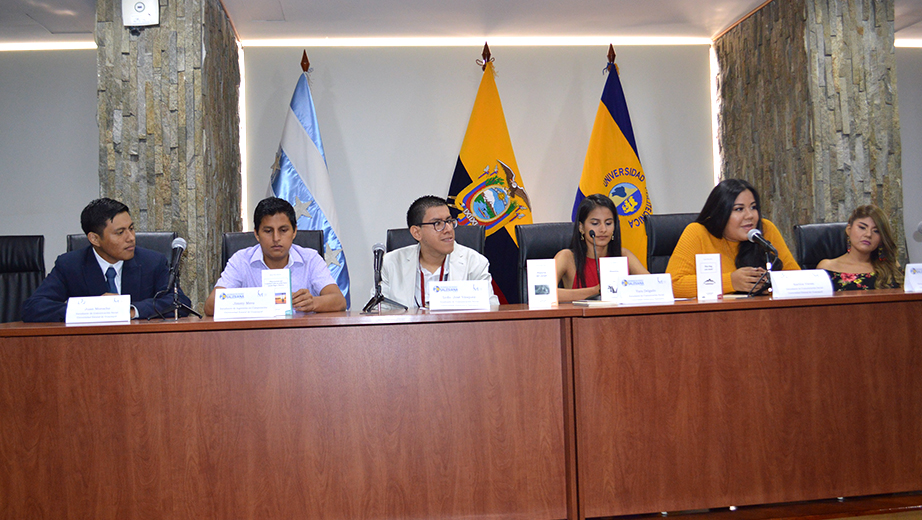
column 73, row 20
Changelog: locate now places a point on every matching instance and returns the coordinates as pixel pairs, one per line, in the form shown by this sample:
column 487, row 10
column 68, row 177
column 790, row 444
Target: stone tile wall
column 168, row 127
column 808, row 110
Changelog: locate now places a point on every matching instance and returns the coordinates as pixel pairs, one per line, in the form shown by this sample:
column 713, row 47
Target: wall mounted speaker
column 139, row 13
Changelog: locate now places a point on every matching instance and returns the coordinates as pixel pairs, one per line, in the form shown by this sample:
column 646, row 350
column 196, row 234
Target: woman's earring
column 582, row 237
column 880, row 254
column 848, row 241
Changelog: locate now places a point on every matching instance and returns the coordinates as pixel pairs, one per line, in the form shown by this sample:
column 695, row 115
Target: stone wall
column 808, row 110
column 168, row 127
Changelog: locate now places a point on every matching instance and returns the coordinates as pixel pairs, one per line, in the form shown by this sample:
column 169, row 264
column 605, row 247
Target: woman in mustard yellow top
column 731, row 210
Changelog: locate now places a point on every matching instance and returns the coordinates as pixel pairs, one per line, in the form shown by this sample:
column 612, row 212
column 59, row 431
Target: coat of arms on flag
column 493, row 200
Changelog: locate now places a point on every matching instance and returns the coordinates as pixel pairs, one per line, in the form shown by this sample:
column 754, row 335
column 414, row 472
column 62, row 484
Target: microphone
column 378, row 250
column 179, row 245
column 378, row 298
column 595, row 251
column 755, row 236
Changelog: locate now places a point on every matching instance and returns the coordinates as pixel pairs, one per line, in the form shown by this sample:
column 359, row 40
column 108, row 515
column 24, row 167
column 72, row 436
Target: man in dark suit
column 110, row 265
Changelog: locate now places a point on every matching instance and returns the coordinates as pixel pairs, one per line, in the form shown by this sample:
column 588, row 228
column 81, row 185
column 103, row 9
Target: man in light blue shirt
column 312, row 286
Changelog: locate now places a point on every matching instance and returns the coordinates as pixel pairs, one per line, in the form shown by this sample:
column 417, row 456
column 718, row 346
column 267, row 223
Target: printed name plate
column 800, row 284
column 912, row 281
column 646, row 289
column 98, row 309
column 542, row 283
column 251, row 302
column 460, row 295
column 278, row 281
column 612, row 269
column 709, row 276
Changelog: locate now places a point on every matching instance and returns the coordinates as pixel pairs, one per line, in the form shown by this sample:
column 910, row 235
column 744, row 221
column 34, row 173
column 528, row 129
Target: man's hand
column 303, row 301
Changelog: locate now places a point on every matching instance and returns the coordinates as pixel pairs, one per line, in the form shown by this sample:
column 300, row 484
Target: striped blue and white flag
column 300, row 176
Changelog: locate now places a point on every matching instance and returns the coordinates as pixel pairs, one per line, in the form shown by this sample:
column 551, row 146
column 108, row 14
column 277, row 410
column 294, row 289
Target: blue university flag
column 612, row 166
column 300, row 176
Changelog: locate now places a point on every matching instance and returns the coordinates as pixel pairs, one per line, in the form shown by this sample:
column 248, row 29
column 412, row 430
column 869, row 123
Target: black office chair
column 473, row 237
column 22, row 269
column 536, row 241
column 160, row 241
column 663, row 232
column 237, row 240
column 816, row 242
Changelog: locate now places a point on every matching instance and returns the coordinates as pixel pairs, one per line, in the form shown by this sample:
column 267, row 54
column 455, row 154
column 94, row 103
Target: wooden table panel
column 429, row 420
column 691, row 410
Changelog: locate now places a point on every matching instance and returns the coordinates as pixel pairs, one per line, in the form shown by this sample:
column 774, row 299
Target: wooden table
column 332, row 416
column 565, row 413
column 693, row 406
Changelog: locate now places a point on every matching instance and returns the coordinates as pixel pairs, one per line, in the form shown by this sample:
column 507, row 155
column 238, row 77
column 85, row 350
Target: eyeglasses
column 439, row 225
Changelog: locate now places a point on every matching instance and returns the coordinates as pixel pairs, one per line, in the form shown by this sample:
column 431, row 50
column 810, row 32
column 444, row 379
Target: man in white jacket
column 406, row 272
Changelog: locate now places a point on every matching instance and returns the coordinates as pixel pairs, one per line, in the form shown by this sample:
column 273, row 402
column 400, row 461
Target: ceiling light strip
column 47, row 46
column 495, row 41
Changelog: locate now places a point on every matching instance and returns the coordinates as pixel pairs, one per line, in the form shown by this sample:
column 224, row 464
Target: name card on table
column 98, row 309
column 612, row 270
column 912, row 278
column 542, row 283
column 278, row 281
column 459, row 295
column 250, row 302
column 808, row 283
column 646, row 289
column 709, row 276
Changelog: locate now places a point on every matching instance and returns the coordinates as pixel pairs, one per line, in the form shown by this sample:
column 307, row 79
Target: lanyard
column 422, row 281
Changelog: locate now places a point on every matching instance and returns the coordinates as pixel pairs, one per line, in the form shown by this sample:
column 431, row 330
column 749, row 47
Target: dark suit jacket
column 78, row 274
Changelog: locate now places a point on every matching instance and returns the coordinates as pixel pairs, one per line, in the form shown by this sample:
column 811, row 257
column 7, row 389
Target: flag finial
column 305, row 63
column 487, row 57
column 611, row 60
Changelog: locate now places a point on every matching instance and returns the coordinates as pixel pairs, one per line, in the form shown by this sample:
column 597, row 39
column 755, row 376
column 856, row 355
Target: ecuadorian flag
column 612, row 167
column 487, row 189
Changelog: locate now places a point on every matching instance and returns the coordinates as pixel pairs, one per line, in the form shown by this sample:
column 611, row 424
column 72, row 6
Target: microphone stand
column 764, row 278
column 177, row 303
column 598, row 270
column 378, row 299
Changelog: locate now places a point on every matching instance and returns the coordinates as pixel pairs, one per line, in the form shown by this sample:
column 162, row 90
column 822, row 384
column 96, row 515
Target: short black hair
column 273, row 206
column 100, row 212
column 417, row 210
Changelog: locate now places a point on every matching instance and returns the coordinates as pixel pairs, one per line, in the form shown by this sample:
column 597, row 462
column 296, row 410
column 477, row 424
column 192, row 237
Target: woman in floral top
column 870, row 262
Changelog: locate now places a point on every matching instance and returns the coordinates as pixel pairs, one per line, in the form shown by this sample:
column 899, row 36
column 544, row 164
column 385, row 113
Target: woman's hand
column 744, row 278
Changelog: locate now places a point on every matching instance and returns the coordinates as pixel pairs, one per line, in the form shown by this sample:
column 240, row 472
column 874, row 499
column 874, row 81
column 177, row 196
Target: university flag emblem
column 487, row 188
column 612, row 166
column 300, row 176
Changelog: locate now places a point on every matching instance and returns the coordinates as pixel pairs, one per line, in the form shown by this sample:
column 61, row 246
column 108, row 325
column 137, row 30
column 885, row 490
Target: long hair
column 883, row 259
column 716, row 213
column 578, row 244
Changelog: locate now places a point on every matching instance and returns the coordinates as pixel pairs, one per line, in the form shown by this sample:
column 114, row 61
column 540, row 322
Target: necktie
column 110, row 279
